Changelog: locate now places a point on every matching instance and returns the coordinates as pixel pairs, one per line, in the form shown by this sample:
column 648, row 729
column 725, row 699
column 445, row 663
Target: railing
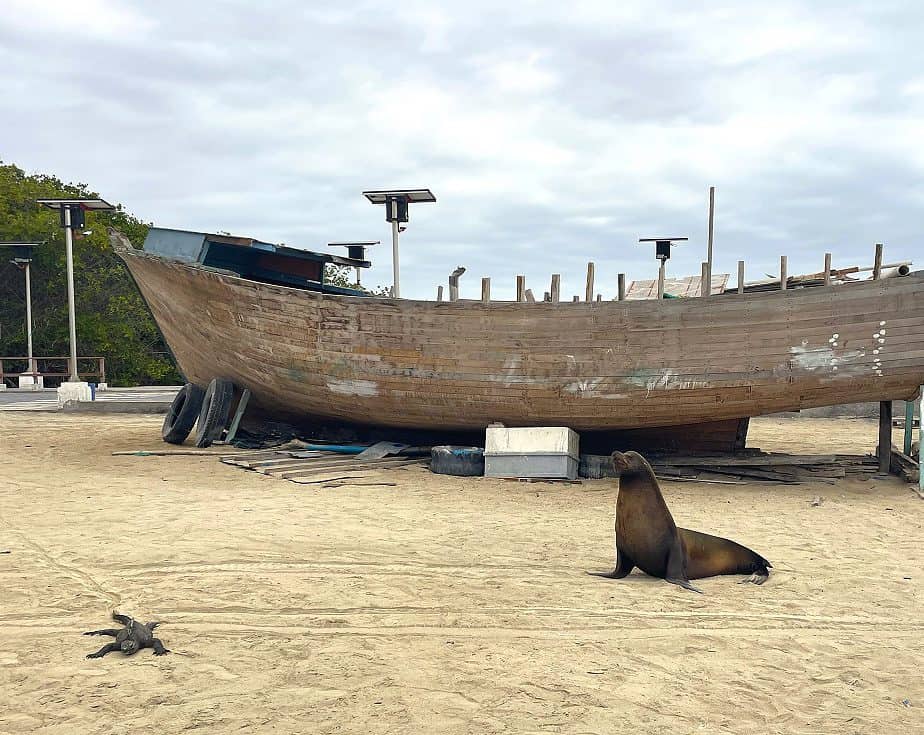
column 52, row 366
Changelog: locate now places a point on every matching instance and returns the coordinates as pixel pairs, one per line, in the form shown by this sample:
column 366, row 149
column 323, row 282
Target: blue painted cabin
column 250, row 258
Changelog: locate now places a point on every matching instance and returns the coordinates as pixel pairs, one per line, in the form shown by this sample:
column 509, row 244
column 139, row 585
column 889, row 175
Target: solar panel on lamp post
column 356, row 250
column 396, row 201
column 72, row 215
column 22, row 259
column 663, row 254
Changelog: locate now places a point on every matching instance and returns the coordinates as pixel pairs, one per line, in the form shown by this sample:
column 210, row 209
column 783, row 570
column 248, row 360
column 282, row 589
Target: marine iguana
column 130, row 639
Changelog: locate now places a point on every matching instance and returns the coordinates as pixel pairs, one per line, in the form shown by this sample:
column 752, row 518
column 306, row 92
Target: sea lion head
column 629, row 463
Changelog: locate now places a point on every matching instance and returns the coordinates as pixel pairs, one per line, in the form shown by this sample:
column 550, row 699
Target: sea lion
column 647, row 537
column 130, row 639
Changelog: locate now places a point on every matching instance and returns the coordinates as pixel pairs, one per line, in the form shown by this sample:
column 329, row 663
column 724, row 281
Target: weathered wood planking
column 590, row 366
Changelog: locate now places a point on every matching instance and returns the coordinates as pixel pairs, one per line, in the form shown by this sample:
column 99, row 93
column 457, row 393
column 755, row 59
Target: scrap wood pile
column 310, row 464
column 789, row 469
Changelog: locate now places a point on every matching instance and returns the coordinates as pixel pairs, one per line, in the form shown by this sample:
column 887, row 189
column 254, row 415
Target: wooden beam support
column 556, row 287
column 740, row 276
column 621, row 281
column 576, row 299
column 589, row 289
column 453, row 292
column 704, row 284
column 599, row 297
column 547, row 296
column 909, row 427
column 661, row 271
column 783, row 274
column 521, row 288
column 877, row 264
column 885, row 437
column 485, row 290
column 827, row 269
column 439, row 293
column 529, row 296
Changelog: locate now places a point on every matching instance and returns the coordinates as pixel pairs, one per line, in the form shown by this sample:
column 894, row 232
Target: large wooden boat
column 591, row 366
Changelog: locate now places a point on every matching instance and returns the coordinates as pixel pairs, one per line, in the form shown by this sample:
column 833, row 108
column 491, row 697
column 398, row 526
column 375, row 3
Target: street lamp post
column 22, row 259
column 72, row 215
column 396, row 201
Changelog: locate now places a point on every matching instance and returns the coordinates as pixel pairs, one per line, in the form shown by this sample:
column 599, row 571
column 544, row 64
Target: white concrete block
column 76, row 392
column 532, row 440
column 29, row 381
column 102, row 386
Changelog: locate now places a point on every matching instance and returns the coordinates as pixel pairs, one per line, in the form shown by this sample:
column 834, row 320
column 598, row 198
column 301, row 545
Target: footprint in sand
column 216, row 671
column 93, row 672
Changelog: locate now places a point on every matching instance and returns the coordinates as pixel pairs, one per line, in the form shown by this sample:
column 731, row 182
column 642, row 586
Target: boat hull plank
column 591, row 366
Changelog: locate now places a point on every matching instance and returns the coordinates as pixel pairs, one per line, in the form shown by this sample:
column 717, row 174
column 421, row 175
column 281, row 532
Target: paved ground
column 15, row 399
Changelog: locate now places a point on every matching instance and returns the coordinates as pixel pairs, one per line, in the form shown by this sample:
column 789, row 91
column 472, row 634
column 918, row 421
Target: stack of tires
column 206, row 410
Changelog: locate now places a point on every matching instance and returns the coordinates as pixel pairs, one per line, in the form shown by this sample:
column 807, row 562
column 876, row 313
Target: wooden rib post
column 576, row 299
column 740, row 276
column 485, row 290
column 454, row 291
column 885, row 437
column 877, row 265
column 439, row 293
column 711, row 222
column 621, row 286
column 529, row 296
column 599, row 297
column 521, row 288
column 556, row 287
column 704, row 286
column 661, row 271
column 783, row 276
column 827, row 269
column 589, row 290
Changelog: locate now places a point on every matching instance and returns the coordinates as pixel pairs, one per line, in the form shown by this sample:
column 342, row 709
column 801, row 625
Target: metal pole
column 29, row 324
column 71, row 314
column 396, row 288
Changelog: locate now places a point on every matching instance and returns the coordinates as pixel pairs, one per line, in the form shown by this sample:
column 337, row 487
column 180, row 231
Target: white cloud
column 551, row 134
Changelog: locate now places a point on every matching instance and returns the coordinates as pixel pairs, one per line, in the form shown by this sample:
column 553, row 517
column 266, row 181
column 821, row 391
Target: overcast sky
column 551, row 133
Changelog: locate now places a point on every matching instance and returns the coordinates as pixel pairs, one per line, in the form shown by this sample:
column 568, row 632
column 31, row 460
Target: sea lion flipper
column 685, row 583
column 756, row 578
column 676, row 572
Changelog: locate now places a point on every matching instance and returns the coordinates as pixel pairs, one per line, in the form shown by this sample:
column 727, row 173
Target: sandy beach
column 442, row 605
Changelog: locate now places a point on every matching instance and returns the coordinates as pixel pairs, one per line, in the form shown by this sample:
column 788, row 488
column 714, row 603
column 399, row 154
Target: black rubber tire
column 458, row 461
column 596, row 466
column 182, row 414
column 213, row 417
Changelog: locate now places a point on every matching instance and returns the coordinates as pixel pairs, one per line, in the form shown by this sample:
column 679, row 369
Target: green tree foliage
column 112, row 319
column 345, row 277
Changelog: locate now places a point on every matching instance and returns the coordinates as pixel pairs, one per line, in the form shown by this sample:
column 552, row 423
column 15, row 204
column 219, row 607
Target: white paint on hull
column 353, row 387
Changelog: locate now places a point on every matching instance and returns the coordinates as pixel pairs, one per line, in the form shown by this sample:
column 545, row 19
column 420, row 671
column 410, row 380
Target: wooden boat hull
column 590, row 366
